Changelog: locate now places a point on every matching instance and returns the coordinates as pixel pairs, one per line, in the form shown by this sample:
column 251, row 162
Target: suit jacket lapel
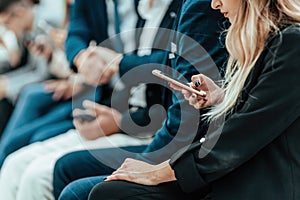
column 168, row 20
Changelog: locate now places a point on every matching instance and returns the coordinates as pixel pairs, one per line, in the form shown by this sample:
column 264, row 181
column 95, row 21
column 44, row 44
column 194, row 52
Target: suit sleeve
column 79, row 33
column 199, row 51
column 273, row 104
column 132, row 61
column 135, row 69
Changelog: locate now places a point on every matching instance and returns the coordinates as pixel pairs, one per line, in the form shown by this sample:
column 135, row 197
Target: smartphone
column 28, row 37
column 44, row 27
column 160, row 74
column 84, row 117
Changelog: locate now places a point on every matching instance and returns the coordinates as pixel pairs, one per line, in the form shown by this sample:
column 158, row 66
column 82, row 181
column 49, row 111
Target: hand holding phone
column 160, row 74
column 84, row 117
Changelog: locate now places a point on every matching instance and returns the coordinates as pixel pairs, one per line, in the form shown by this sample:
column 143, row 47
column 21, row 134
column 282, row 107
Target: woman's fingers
column 119, row 176
column 197, row 101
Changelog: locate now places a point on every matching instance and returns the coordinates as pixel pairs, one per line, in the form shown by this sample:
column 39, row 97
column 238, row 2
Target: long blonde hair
column 246, row 38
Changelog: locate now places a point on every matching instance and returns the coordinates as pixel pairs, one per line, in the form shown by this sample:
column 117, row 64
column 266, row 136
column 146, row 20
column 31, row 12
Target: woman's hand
column 143, row 173
column 214, row 94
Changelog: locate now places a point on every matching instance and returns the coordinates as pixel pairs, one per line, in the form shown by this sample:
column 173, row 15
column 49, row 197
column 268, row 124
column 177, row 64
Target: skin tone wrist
column 3, row 86
column 164, row 173
column 116, row 63
column 143, row 173
column 78, row 59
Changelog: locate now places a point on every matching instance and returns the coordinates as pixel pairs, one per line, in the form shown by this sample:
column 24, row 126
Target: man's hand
column 63, row 89
column 58, row 36
column 107, row 121
column 97, row 64
column 41, row 47
column 111, row 60
column 2, row 87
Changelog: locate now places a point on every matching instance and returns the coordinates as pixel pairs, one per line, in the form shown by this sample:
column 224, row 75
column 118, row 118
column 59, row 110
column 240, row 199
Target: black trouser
column 6, row 109
column 114, row 190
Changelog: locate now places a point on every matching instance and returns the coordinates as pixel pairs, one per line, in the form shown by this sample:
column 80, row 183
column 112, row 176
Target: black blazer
column 257, row 156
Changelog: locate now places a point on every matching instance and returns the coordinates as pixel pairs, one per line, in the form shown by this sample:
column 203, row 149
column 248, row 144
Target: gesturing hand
column 98, row 64
column 41, row 47
column 63, row 89
column 90, row 66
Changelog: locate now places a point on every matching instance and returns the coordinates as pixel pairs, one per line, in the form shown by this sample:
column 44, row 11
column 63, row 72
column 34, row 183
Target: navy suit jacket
column 199, row 50
column 142, row 67
column 88, row 21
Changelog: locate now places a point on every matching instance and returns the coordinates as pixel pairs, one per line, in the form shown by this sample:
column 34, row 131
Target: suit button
column 202, row 140
column 173, row 14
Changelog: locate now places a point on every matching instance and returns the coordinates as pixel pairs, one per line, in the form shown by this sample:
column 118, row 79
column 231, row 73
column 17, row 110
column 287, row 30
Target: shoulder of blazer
column 282, row 39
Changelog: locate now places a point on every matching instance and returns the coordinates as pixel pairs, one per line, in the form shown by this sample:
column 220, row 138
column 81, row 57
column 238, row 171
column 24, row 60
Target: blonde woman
column 257, row 155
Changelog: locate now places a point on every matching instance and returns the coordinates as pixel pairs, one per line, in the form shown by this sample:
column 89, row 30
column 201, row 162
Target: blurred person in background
column 27, row 127
column 10, row 52
column 45, row 41
column 17, row 16
column 10, row 58
column 28, row 181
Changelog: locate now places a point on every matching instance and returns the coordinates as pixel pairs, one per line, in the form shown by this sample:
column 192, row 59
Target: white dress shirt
column 128, row 21
column 153, row 17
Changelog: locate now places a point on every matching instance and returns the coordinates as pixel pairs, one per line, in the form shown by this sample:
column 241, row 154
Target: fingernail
column 86, row 103
column 197, row 83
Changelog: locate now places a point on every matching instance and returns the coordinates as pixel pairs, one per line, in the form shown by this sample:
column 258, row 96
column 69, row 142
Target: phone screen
column 84, row 117
column 160, row 74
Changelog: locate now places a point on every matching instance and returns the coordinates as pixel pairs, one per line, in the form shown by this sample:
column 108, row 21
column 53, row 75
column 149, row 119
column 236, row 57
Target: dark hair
column 35, row 1
column 4, row 4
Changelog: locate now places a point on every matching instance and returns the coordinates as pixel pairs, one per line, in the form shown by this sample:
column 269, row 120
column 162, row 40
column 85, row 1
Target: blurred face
column 18, row 18
column 229, row 8
column 70, row 2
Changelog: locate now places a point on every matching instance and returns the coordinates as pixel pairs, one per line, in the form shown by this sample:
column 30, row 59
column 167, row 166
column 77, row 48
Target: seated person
column 17, row 18
column 10, row 52
column 261, row 132
column 71, row 140
column 169, row 137
column 21, row 130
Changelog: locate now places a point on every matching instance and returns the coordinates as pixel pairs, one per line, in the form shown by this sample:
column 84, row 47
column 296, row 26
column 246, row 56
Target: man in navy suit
column 84, row 27
column 197, row 24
